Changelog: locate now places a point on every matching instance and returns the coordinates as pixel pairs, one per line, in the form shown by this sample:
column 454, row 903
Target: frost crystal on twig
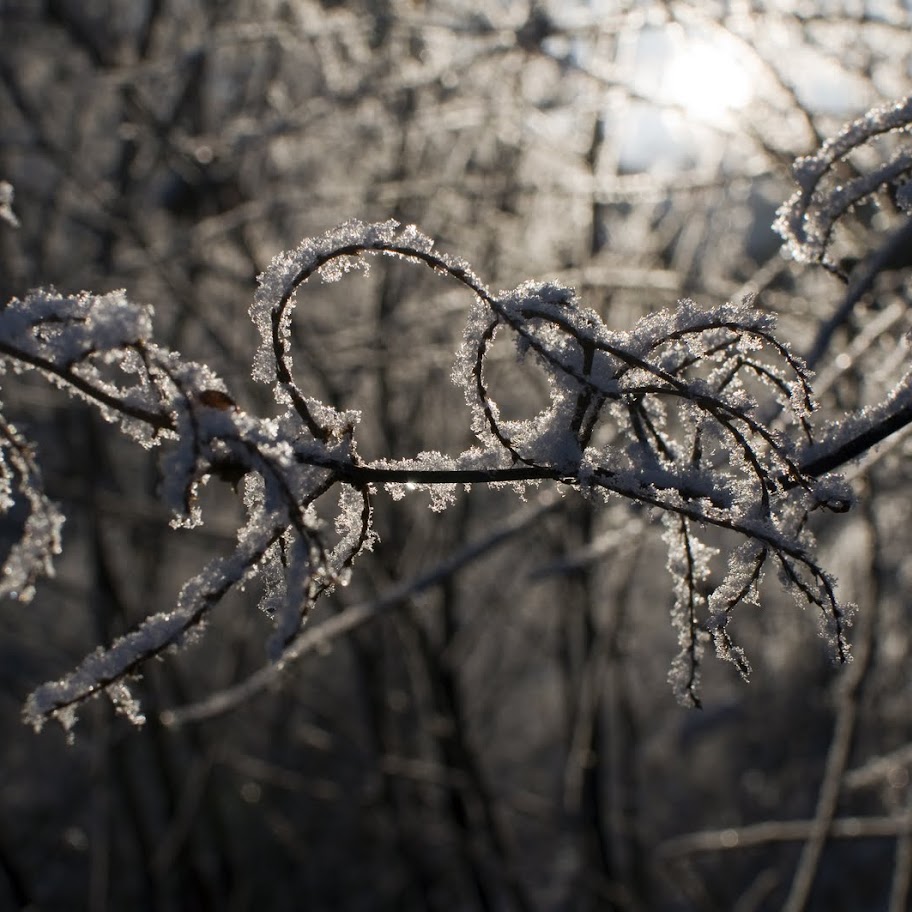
column 668, row 414
column 807, row 220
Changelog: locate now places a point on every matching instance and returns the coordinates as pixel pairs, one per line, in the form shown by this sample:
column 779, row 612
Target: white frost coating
column 39, row 542
column 333, row 253
column 740, row 587
column 167, row 629
column 62, row 329
column 840, row 433
column 75, row 340
column 443, row 494
column 125, row 703
column 32, row 555
column 688, row 563
column 350, row 527
column 806, row 221
column 885, row 118
column 688, row 317
column 664, row 414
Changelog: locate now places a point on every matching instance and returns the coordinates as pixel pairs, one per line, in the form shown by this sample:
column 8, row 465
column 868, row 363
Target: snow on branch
column 669, row 414
column 825, row 193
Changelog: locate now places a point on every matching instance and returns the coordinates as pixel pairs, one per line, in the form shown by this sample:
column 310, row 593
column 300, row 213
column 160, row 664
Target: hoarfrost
column 665, row 414
column 807, row 220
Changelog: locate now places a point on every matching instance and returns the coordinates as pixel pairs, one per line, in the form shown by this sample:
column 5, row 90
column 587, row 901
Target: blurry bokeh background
column 504, row 737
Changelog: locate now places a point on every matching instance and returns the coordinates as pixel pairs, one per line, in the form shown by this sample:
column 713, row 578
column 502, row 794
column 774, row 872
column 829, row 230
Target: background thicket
column 501, row 736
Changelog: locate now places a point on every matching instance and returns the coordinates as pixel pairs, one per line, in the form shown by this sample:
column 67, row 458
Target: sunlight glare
column 707, row 80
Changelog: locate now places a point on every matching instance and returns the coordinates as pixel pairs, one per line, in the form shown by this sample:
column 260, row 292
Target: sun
column 707, row 80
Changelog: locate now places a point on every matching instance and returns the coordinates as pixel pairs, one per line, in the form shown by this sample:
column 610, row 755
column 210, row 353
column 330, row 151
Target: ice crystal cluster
column 829, row 185
column 703, row 416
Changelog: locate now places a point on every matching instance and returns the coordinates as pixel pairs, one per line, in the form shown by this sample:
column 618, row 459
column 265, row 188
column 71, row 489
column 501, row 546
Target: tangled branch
column 672, row 415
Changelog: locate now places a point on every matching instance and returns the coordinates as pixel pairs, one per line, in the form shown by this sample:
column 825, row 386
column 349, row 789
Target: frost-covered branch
column 670, row 414
column 825, row 194
column 665, row 415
